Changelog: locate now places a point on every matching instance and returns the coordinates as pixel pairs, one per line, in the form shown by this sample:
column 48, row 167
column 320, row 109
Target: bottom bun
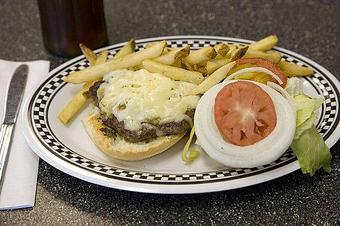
column 118, row 148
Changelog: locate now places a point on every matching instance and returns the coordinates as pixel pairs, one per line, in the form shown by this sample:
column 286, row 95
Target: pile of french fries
column 205, row 67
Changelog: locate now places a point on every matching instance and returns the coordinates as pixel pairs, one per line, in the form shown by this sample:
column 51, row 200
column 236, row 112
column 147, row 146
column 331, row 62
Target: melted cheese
column 138, row 97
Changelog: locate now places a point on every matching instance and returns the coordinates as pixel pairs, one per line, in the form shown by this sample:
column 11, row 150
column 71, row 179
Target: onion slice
column 264, row 63
column 261, row 153
column 283, row 93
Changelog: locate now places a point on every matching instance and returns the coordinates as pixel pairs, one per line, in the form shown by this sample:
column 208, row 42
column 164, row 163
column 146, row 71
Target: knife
column 14, row 96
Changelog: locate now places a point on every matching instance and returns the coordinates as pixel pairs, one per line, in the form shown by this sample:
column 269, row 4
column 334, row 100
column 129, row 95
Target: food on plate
column 278, row 75
column 229, row 133
column 221, row 49
column 273, row 56
column 127, row 49
column 234, row 53
column 200, row 56
column 174, row 56
column 292, row 69
column 78, row 102
column 140, row 114
column 265, row 44
column 101, row 57
column 212, row 80
column 255, row 128
column 131, row 60
column 312, row 152
column 145, row 102
column 88, row 53
column 213, row 65
column 172, row 72
column 244, row 113
column 189, row 156
column 237, row 53
column 308, row 145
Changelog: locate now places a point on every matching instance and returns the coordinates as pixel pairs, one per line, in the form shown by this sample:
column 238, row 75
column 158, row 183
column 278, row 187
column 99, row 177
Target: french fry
column 74, row 106
column 202, row 69
column 127, row 49
column 166, row 49
column 78, row 101
column 101, row 57
column 172, row 72
column 273, row 56
column 173, row 56
column 128, row 61
column 221, row 49
column 219, row 61
column 87, row 86
column 293, row 70
column 238, row 53
column 232, row 48
column 88, row 53
column 149, row 44
column 200, row 56
column 215, row 64
column 212, row 80
column 179, row 63
column 265, row 44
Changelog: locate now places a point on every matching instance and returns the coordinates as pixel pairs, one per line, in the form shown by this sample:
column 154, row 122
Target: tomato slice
column 244, row 113
column 260, row 62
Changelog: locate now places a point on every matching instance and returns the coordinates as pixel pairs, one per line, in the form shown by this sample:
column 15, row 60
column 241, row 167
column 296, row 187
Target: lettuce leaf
column 305, row 126
column 293, row 86
column 318, row 102
column 312, row 152
column 305, row 107
column 308, row 145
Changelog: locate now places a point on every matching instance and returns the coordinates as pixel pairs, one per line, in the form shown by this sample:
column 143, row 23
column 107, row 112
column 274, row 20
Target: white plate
column 70, row 150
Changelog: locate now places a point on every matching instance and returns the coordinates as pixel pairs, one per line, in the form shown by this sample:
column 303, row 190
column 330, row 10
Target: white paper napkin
column 19, row 186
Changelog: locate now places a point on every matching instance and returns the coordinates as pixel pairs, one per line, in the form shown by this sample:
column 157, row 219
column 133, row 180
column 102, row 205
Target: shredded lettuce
column 293, row 87
column 305, row 126
column 189, row 155
column 318, row 102
column 308, row 145
column 305, row 107
column 312, row 152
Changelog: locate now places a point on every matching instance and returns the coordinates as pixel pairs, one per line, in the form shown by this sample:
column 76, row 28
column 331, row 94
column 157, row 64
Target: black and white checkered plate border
column 40, row 102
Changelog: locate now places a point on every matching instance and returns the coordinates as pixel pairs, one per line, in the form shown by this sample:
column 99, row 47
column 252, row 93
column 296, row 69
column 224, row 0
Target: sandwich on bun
column 139, row 114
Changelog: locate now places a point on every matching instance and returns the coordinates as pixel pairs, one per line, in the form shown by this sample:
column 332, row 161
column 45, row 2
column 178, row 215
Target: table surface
column 310, row 28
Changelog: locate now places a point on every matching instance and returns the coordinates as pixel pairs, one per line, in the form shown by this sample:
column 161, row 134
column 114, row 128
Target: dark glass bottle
column 66, row 23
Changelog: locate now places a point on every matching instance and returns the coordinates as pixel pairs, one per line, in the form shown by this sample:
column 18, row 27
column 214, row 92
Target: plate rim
column 92, row 177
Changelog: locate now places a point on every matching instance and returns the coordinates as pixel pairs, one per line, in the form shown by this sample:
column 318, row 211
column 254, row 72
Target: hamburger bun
column 119, row 148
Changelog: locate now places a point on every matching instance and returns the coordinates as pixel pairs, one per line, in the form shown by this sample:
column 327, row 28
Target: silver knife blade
column 15, row 93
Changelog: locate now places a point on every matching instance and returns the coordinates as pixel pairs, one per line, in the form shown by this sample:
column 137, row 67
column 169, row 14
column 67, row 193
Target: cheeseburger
column 139, row 114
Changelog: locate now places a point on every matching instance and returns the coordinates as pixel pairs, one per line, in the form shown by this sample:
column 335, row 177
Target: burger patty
column 148, row 131
column 92, row 93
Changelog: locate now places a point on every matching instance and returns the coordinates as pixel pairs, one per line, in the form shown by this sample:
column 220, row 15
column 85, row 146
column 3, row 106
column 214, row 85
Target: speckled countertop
column 310, row 28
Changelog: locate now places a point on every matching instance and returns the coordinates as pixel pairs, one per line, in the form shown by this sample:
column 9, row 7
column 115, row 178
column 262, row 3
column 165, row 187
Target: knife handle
column 6, row 133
